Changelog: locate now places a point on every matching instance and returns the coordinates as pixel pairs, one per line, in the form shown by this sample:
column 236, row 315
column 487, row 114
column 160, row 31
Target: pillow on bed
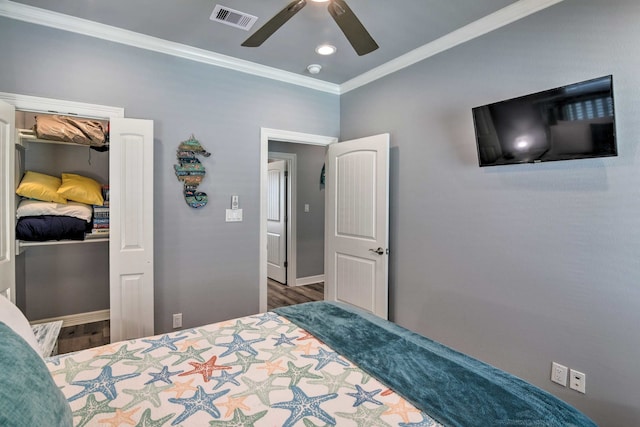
column 81, row 189
column 35, row 185
column 28, row 394
column 38, row 208
column 11, row 316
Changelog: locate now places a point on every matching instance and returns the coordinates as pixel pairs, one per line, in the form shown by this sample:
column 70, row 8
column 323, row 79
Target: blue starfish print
column 365, row 396
column 226, row 378
column 303, row 406
column 104, row 383
column 283, row 339
column 425, row 422
column 239, row 344
column 200, row 401
column 55, row 359
column 266, row 317
column 325, row 357
column 165, row 341
column 162, row 376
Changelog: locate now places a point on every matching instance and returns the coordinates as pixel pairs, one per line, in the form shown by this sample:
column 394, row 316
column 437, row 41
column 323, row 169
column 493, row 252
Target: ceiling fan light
column 320, row 1
column 325, row 49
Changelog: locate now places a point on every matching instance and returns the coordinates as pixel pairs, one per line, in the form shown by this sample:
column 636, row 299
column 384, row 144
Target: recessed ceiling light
column 325, row 49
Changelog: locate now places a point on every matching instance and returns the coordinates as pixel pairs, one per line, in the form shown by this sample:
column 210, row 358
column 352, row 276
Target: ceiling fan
column 350, row 25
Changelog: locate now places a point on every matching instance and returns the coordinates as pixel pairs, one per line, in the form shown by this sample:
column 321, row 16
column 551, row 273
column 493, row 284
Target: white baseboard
column 301, row 281
column 77, row 319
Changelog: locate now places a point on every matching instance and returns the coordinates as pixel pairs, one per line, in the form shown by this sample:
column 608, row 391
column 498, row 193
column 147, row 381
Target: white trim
column 36, row 103
column 77, row 319
column 493, row 21
column 309, row 280
column 267, row 134
column 292, row 215
column 89, row 28
column 500, row 18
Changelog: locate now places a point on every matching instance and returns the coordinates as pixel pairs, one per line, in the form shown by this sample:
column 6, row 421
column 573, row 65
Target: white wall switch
column 577, row 381
column 559, row 374
column 306, row 207
column 234, row 215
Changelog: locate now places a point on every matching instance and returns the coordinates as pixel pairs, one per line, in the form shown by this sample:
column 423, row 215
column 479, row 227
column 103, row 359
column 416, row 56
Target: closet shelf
column 21, row 244
column 28, row 135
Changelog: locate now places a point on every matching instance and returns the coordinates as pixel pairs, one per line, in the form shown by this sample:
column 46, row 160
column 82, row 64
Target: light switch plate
column 234, row 215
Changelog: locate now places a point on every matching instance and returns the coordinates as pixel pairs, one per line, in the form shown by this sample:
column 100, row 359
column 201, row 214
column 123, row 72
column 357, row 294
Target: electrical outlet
column 177, row 320
column 577, row 381
column 559, row 374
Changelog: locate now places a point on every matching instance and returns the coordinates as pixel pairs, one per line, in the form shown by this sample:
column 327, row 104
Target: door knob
column 378, row 251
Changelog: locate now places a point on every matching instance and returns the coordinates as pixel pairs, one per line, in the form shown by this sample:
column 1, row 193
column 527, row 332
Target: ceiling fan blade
column 274, row 23
column 352, row 28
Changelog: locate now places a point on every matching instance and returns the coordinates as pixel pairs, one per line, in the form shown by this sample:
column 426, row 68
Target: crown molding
column 37, row 103
column 498, row 19
column 94, row 29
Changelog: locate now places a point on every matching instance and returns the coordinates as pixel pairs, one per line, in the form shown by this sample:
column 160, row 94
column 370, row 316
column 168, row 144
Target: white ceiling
column 405, row 30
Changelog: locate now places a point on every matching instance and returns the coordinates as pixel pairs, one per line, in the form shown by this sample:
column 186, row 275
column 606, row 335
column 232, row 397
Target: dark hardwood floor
column 81, row 337
column 89, row 335
column 280, row 295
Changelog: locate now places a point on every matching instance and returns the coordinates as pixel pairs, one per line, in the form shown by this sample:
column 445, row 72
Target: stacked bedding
column 40, row 221
column 56, row 208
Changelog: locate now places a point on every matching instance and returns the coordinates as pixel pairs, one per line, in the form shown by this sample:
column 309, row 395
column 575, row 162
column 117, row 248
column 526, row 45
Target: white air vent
column 232, row 17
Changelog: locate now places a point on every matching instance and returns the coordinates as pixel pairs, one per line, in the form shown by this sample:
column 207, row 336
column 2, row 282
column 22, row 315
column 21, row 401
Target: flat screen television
column 576, row 121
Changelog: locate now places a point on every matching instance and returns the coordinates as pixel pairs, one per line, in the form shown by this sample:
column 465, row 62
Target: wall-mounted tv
column 576, row 121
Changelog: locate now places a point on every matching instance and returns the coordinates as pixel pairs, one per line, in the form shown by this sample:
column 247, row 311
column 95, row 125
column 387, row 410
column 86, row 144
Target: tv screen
column 576, row 121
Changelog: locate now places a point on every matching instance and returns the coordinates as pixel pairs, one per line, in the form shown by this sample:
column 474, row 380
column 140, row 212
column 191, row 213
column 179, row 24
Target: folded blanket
column 51, row 227
column 453, row 388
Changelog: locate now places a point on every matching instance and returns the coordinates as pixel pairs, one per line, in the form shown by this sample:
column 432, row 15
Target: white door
column 7, row 199
column 357, row 223
column 131, row 228
column 277, row 221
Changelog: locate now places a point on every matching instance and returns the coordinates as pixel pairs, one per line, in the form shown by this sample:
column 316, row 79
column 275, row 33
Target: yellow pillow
column 81, row 189
column 35, row 185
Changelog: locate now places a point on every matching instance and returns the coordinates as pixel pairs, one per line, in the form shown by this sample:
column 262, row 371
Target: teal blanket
column 454, row 389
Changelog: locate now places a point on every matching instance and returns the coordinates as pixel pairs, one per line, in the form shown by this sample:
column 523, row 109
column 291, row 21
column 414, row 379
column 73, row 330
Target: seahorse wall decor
column 191, row 172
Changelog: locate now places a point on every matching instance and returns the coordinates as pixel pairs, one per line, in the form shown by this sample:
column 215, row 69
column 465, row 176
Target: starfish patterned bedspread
column 256, row 371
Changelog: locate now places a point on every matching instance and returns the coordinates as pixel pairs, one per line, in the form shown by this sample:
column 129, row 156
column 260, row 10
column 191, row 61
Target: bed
column 315, row 364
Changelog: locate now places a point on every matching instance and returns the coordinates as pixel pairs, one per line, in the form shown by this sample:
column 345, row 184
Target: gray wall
column 518, row 265
column 205, row 267
column 310, row 227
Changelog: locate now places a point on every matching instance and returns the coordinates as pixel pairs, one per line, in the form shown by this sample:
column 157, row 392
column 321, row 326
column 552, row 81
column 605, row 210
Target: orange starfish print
column 206, row 368
column 180, row 388
column 120, row 417
column 272, row 366
column 306, row 336
column 234, row 403
column 400, row 408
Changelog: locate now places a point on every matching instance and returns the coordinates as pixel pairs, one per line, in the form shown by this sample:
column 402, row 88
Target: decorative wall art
column 191, row 172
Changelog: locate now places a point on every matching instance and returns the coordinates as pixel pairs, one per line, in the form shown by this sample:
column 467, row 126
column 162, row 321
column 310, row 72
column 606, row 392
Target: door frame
column 266, row 135
column 61, row 106
column 291, row 161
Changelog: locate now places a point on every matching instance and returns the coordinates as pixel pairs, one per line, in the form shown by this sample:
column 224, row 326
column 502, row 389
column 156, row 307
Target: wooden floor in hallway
column 280, row 295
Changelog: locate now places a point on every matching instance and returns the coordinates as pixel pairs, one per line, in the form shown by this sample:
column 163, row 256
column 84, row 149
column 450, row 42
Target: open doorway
column 299, row 269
